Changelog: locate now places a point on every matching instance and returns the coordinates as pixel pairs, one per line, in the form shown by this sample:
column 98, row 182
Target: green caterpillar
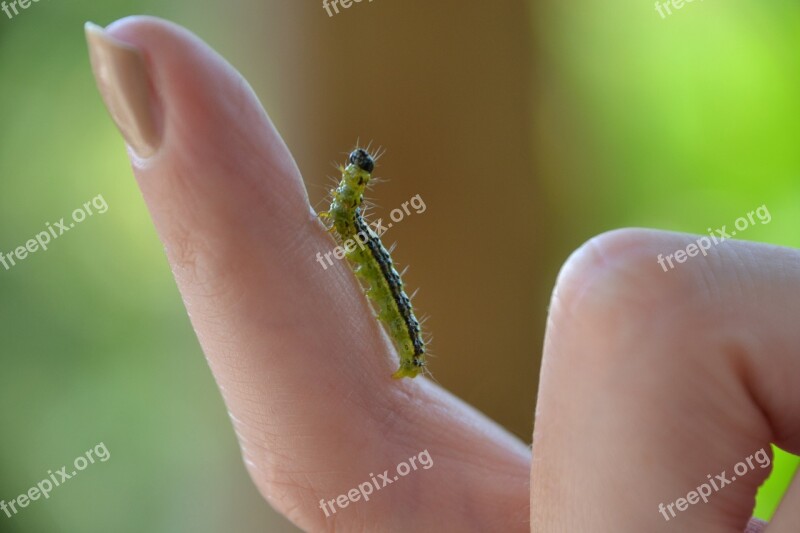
column 373, row 265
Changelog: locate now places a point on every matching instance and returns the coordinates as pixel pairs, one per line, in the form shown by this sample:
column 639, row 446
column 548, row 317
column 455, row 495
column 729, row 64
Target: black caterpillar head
column 361, row 158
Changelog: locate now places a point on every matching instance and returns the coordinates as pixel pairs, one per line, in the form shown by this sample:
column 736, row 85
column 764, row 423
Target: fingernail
column 121, row 76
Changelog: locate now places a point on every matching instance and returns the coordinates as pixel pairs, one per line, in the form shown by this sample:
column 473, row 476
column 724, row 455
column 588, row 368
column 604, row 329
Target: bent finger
column 661, row 391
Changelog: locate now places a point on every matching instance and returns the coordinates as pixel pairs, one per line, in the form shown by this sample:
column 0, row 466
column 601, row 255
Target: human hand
column 304, row 368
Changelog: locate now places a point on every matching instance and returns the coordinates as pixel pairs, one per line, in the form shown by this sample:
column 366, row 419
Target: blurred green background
column 559, row 120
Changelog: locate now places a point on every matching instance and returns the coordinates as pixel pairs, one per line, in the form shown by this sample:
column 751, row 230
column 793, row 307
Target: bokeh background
column 526, row 127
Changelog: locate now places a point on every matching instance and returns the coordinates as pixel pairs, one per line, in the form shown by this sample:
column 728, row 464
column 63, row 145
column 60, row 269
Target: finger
column 654, row 383
column 302, row 365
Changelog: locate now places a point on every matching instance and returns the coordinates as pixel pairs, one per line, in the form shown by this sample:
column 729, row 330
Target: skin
column 650, row 380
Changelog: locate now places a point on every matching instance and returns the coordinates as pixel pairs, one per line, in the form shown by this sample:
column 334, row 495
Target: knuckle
column 611, row 289
column 199, row 265
column 617, row 271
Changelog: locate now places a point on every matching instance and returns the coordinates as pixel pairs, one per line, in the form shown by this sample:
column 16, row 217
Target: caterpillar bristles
column 372, row 262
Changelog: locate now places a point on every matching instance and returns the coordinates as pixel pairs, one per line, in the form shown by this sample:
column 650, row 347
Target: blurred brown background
column 446, row 88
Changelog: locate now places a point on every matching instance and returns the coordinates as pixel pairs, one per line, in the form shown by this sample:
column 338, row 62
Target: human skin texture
column 650, row 380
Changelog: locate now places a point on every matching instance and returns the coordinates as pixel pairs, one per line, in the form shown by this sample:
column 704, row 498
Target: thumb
column 303, row 366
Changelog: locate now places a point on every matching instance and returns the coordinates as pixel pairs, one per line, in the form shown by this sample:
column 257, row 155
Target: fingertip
column 214, row 135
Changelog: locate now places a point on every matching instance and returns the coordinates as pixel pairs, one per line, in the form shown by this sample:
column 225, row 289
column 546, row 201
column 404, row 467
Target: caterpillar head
column 361, row 158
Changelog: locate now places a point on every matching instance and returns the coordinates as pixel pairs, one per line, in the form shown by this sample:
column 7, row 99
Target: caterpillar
column 373, row 265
